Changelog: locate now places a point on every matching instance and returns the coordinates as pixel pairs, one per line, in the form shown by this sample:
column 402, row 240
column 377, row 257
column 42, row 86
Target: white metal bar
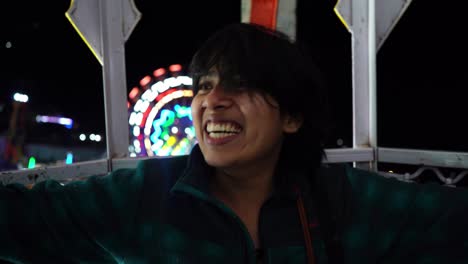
column 84, row 15
column 388, row 13
column 59, row 172
column 364, row 86
column 128, row 162
column 390, row 155
column 246, row 7
column 424, row 157
column 372, row 57
column 286, row 17
column 349, row 155
column 333, row 156
column 114, row 76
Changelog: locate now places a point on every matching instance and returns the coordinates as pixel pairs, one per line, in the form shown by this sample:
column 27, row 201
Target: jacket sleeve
column 56, row 223
column 392, row 221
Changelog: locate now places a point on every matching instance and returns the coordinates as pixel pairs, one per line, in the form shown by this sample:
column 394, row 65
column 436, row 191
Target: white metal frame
column 364, row 153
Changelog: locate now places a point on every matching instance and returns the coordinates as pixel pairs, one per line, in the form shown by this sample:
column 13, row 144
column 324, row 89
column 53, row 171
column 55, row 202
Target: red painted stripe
column 264, row 12
column 306, row 230
column 313, row 224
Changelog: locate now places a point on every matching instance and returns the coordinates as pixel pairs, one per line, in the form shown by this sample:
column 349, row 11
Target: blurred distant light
column 32, row 163
column 175, row 67
column 145, row 80
column 69, row 159
column 136, row 131
column 67, row 122
column 190, row 133
column 160, row 87
column 138, row 105
column 94, row 137
column 136, row 143
column 159, row 72
column 150, row 94
column 133, row 93
column 339, row 142
column 141, row 106
column 131, row 148
column 172, row 82
column 18, row 97
column 132, row 118
column 8, row 45
column 185, row 80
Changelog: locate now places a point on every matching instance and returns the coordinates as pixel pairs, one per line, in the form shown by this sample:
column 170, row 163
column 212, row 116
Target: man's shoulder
column 163, row 162
column 345, row 172
column 163, row 167
column 332, row 172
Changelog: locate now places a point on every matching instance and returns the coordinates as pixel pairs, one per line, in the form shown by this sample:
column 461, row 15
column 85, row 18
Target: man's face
column 236, row 128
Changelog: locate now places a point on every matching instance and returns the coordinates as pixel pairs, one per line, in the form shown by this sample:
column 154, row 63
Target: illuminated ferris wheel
column 160, row 119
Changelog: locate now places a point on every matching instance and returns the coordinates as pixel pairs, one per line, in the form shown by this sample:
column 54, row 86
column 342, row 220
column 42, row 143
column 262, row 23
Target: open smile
column 221, row 132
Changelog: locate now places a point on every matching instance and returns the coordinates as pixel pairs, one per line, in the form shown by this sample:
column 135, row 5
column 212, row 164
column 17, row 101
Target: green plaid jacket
column 162, row 212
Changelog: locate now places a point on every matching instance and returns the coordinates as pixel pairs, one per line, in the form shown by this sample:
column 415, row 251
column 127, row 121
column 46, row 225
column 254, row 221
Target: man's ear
column 291, row 124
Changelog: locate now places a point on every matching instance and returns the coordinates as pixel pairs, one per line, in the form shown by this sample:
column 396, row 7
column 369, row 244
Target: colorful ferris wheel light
column 175, row 68
column 145, row 80
column 133, row 93
column 159, row 72
column 160, row 120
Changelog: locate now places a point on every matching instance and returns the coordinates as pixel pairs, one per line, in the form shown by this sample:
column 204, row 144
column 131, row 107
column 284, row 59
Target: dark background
column 422, row 67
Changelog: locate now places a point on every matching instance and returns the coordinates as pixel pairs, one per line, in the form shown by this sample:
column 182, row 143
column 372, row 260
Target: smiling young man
column 253, row 190
column 240, row 133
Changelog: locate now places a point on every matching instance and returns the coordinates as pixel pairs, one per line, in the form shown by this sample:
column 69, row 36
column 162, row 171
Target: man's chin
column 218, row 163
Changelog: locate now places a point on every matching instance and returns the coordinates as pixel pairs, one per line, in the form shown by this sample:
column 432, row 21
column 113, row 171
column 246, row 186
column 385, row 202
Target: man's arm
column 54, row 223
column 391, row 221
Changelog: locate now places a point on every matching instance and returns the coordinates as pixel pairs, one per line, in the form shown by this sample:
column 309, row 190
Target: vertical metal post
column 364, row 84
column 278, row 14
column 114, row 76
column 286, row 20
column 373, row 82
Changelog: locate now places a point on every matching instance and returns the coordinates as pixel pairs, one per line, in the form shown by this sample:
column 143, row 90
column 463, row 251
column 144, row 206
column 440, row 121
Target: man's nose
column 217, row 98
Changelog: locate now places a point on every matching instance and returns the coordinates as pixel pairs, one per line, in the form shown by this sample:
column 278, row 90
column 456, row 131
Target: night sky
column 422, row 68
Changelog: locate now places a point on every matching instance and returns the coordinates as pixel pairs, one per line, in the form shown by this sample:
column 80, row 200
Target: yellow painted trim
column 67, row 14
column 335, row 9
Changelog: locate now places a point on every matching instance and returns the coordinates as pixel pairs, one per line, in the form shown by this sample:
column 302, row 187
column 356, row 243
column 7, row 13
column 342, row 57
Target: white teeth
column 220, row 135
column 222, row 128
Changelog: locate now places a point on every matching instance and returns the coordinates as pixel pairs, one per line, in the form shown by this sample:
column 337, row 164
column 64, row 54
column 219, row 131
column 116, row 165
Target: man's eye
column 204, row 86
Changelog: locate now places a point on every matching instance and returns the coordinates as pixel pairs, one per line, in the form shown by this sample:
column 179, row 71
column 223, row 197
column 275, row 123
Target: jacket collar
column 197, row 173
column 288, row 182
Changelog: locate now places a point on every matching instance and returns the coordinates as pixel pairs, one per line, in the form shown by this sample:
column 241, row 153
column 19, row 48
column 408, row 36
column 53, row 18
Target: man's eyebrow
column 209, row 75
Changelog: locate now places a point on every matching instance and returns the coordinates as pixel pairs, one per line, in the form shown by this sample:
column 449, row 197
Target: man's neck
column 249, row 188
